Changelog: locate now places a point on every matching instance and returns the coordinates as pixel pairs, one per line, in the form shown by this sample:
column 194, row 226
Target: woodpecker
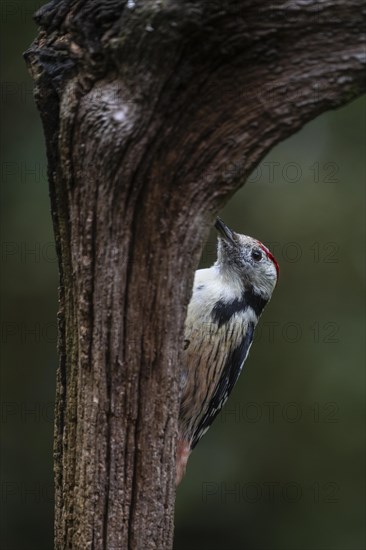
column 227, row 301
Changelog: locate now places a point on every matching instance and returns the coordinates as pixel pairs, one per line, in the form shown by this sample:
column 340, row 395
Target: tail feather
column 183, row 452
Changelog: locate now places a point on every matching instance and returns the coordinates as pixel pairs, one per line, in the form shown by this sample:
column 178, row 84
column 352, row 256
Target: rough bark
column 154, row 112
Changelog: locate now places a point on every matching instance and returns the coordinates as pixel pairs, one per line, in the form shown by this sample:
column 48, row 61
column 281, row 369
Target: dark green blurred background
column 282, row 468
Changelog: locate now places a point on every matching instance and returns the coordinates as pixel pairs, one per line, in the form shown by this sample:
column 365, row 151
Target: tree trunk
column 154, row 113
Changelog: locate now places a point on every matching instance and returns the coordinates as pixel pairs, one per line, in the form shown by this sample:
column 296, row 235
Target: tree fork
column 154, row 113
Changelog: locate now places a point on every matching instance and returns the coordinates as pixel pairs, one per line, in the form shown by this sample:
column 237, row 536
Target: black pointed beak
column 224, row 231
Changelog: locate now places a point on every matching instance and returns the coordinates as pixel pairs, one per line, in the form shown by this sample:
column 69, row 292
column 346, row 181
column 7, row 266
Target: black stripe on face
column 228, row 378
column 255, row 301
column 223, row 311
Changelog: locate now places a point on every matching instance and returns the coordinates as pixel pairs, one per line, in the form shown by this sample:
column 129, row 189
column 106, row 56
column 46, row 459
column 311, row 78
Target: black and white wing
column 229, row 376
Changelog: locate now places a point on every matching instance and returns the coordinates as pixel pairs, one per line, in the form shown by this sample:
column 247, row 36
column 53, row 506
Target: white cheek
column 264, row 278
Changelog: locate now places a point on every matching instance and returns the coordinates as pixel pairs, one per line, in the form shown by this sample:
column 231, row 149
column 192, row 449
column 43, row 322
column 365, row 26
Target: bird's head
column 244, row 260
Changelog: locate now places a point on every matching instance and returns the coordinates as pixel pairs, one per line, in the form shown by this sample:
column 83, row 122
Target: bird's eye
column 256, row 254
